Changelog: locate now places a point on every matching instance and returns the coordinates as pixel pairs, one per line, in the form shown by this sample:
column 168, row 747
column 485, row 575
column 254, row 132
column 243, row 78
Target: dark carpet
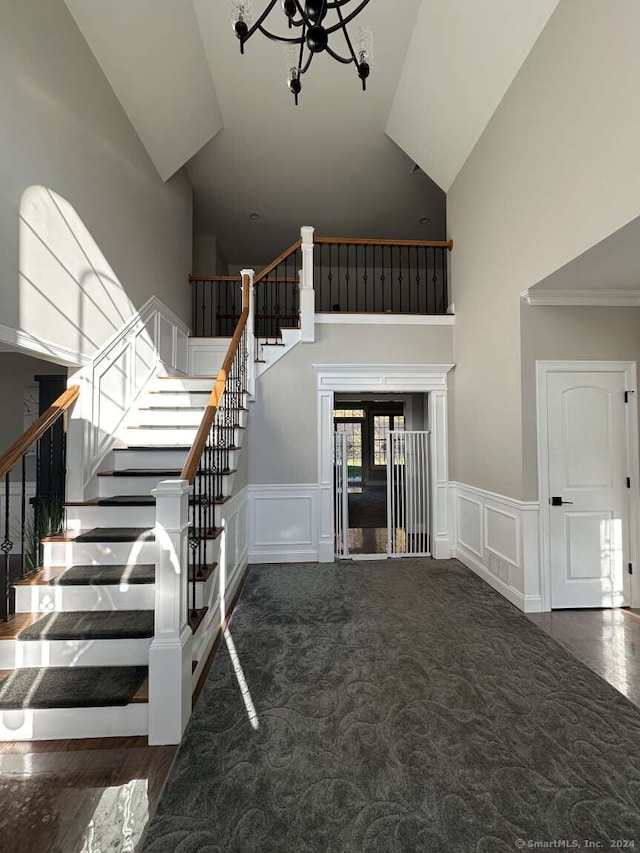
column 368, row 508
column 401, row 706
column 103, row 575
column 71, row 687
column 91, row 625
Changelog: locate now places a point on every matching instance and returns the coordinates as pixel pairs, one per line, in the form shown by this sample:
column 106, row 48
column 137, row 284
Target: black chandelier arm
column 354, row 58
column 258, row 24
column 343, row 23
column 307, row 63
column 336, row 56
column 282, row 39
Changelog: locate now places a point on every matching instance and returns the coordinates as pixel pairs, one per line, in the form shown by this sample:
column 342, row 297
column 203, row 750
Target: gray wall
column 564, row 333
column 16, row 375
column 61, row 127
column 284, row 429
column 555, row 171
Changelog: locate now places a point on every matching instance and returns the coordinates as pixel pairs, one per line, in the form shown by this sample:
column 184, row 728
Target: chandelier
column 316, row 21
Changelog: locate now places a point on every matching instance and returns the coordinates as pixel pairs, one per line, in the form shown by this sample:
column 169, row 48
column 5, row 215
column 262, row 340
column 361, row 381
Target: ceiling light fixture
column 312, row 19
column 254, row 216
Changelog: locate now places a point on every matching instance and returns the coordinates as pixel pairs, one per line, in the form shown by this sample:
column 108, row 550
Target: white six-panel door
column 588, row 495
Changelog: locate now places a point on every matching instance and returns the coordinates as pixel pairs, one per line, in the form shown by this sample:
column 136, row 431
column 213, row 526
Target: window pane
column 380, row 430
column 354, row 449
column 348, row 413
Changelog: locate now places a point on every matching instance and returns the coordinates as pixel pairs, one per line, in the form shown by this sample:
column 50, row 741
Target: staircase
column 74, row 659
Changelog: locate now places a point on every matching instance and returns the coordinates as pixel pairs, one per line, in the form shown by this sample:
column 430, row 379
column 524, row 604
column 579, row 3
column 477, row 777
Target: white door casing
column 382, row 378
column 587, row 447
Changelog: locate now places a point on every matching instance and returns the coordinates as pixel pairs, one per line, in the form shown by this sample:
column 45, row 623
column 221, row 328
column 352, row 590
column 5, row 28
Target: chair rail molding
column 603, row 298
column 498, row 538
column 395, row 378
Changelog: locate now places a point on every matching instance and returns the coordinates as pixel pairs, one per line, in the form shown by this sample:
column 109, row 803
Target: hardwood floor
column 61, row 796
column 88, row 796
column 607, row 641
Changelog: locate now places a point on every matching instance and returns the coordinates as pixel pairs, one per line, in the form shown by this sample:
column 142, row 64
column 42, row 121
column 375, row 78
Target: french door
column 406, row 455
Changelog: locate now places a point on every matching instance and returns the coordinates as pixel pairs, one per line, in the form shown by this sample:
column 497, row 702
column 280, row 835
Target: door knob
column 557, row 501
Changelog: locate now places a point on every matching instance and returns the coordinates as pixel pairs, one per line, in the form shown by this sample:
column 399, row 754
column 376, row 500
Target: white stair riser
column 170, row 417
column 62, row 723
column 162, row 459
column 88, row 553
column 109, row 487
column 57, row 598
column 17, row 653
column 182, row 418
column 173, row 400
column 115, row 553
column 112, row 486
column 177, row 437
column 86, row 517
column 184, row 383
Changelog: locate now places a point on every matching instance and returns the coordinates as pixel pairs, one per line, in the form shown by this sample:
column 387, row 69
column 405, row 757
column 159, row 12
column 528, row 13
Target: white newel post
column 170, row 655
column 307, row 295
column 247, row 281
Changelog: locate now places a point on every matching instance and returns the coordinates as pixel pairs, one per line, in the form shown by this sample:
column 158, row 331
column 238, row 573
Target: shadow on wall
column 69, row 295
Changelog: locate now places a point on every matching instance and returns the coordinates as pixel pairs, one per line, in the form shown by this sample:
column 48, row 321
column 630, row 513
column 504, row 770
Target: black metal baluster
column 445, row 282
column 330, row 280
column 435, row 280
column 400, row 278
column 382, row 282
column 347, row 275
column 6, row 548
column 365, row 280
column 23, row 519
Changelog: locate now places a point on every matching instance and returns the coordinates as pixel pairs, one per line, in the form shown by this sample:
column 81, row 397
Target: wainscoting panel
column 283, row 524
column 205, row 355
column 497, row 537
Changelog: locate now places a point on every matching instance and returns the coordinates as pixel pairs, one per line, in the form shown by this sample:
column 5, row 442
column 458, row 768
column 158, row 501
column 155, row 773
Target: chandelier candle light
column 316, row 21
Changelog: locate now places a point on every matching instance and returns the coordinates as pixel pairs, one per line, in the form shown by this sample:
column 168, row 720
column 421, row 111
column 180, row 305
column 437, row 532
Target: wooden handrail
column 358, row 241
column 37, row 429
column 237, row 278
column 195, row 454
column 290, row 251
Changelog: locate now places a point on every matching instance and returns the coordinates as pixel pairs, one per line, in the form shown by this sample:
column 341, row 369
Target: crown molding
column 595, row 298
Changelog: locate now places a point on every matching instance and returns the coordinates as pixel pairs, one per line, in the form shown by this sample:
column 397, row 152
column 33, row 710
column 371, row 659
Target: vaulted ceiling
column 440, row 69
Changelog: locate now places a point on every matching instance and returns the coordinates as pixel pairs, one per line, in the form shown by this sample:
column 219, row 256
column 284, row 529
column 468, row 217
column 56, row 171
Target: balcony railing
column 348, row 275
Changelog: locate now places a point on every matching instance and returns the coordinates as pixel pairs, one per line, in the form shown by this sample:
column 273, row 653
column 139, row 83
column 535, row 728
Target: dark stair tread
column 117, row 534
column 142, row 472
column 91, row 625
column 132, row 500
column 71, row 687
column 91, row 575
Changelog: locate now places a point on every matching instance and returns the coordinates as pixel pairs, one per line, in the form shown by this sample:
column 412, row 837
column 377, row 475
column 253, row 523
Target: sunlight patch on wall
column 69, row 294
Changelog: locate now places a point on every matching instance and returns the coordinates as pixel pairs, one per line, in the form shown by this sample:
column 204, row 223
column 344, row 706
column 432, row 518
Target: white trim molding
column 587, row 298
column 339, row 318
column 393, row 378
column 21, row 341
column 497, row 538
column 543, row 370
column 153, row 340
column 283, row 523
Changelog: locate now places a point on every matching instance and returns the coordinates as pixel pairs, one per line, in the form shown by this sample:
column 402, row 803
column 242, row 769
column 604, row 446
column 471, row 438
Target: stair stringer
column 271, row 354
